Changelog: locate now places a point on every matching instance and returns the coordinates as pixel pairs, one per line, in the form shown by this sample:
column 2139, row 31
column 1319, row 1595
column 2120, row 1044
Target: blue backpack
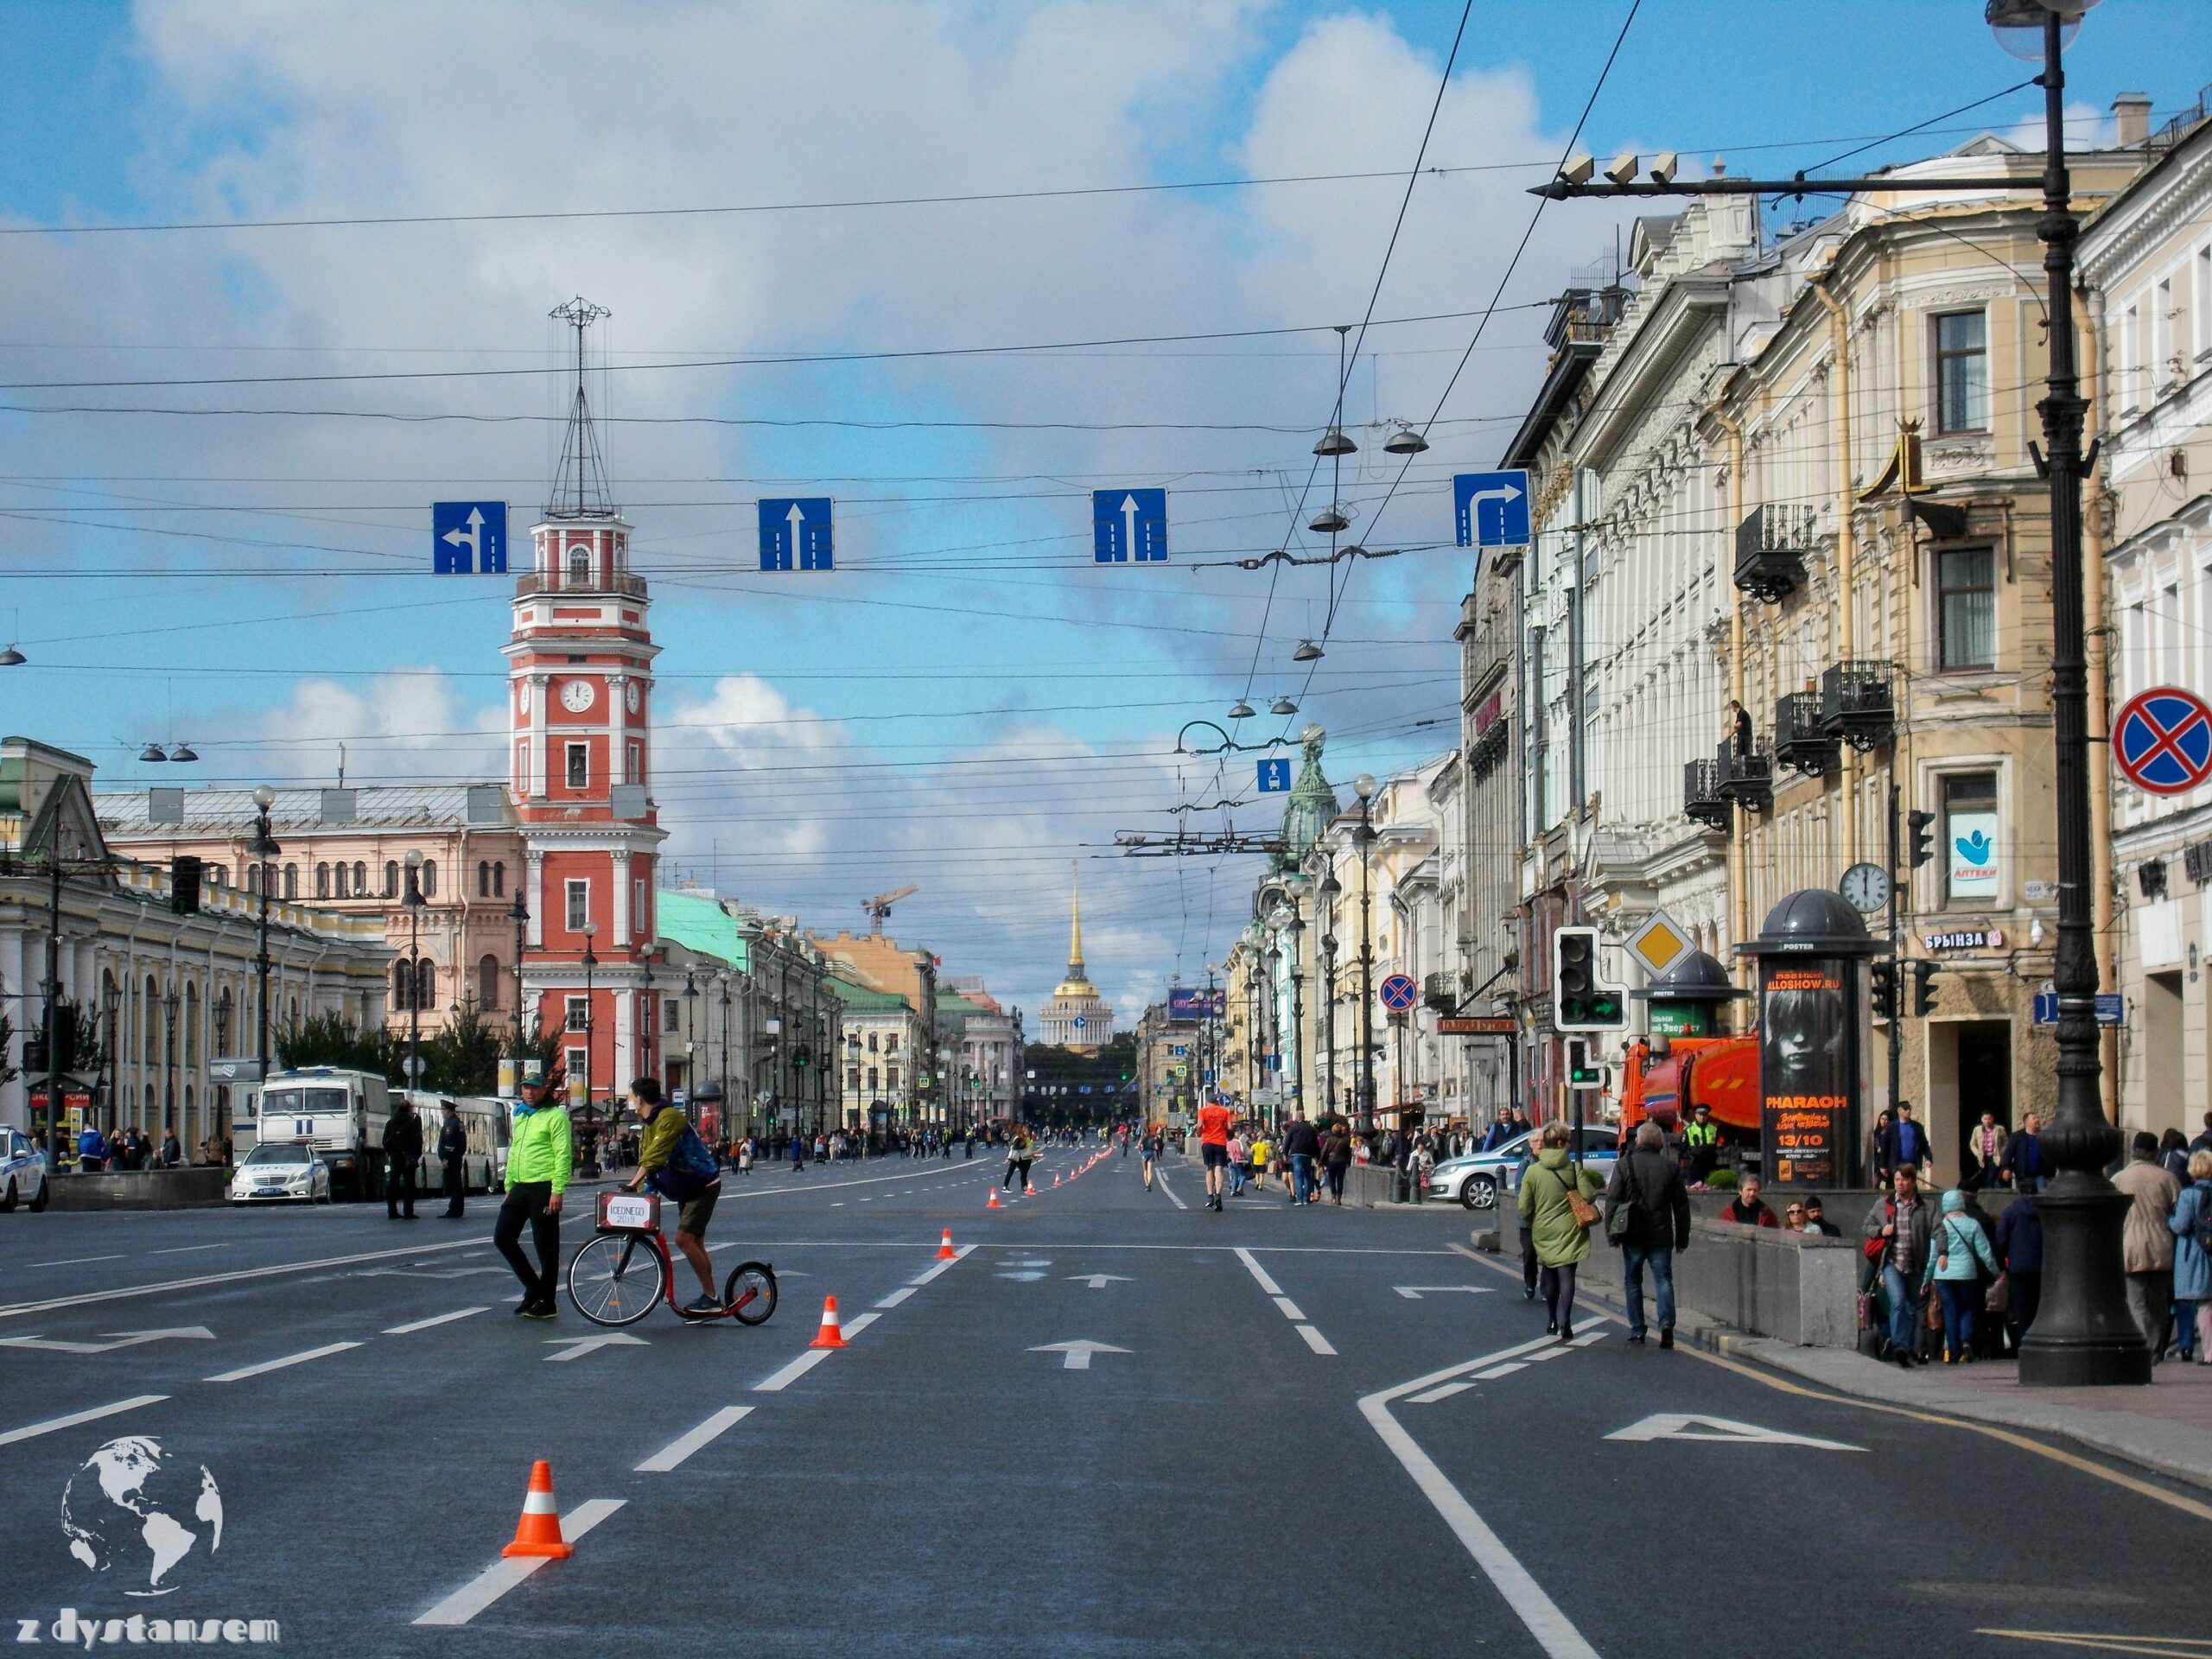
column 690, row 1169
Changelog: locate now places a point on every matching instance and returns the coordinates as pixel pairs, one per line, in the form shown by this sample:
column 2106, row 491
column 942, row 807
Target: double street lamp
column 264, row 847
column 414, row 904
column 1364, row 786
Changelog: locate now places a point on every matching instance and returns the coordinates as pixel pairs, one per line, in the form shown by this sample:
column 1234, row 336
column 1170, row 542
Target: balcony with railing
column 1745, row 776
column 1799, row 741
column 625, row 586
column 1771, row 546
column 1857, row 705
column 1703, row 801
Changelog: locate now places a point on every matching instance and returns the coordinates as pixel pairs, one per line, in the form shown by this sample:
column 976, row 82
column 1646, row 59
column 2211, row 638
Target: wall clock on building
column 635, row 699
column 1866, row 887
column 576, row 696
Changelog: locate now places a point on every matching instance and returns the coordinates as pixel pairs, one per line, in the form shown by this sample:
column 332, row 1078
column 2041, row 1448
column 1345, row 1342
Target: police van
column 341, row 1114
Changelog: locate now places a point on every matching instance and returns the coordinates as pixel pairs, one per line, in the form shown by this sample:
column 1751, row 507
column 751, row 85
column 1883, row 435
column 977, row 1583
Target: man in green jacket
column 538, row 1162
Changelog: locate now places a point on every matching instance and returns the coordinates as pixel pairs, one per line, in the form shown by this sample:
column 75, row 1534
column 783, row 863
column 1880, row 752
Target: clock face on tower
column 634, row 698
column 576, row 696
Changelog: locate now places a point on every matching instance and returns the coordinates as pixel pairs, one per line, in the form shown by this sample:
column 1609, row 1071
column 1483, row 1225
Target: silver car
column 1475, row 1179
column 22, row 1172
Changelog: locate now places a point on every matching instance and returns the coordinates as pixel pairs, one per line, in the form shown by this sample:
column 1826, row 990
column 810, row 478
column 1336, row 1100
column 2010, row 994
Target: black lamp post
column 169, row 1002
column 1331, row 890
column 591, row 1014
column 264, row 849
column 725, row 1065
column 1364, row 836
column 1293, row 927
column 518, row 914
column 413, row 901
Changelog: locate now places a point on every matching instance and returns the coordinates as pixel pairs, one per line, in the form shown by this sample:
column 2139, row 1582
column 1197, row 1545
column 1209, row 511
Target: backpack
column 2201, row 1229
column 690, row 1169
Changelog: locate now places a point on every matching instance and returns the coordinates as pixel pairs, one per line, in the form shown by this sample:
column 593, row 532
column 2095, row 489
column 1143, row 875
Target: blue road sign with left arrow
column 1128, row 526
column 1275, row 777
column 468, row 538
column 1492, row 508
column 795, row 533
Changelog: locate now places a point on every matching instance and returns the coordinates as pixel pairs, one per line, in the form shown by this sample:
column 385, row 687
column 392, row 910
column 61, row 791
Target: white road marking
column 1496, row 1371
column 1161, row 1179
column 791, row 1373
column 859, row 1323
column 684, row 1446
column 1290, row 1310
column 1554, row 1631
column 53, row 1425
column 504, row 1575
column 76, row 1261
column 190, row 1249
column 1258, row 1272
column 897, row 1297
column 435, row 1319
column 245, row 1371
column 1415, row 1292
column 114, row 1339
column 1100, row 1280
column 576, row 1347
column 1447, row 1391
column 17, row 1310
column 1314, row 1339
column 1725, row 1431
column 1076, row 1355
column 959, row 1257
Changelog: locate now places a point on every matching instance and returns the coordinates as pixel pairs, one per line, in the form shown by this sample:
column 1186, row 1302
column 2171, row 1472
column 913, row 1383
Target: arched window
column 292, row 1010
column 391, row 878
column 429, row 878
column 426, row 985
column 224, row 1014
column 341, row 888
column 291, row 881
column 322, row 880
column 579, row 567
column 403, row 986
column 361, row 880
column 487, row 982
column 152, row 1017
column 191, row 1026
column 483, row 878
column 253, row 878
column 499, row 880
column 871, row 1042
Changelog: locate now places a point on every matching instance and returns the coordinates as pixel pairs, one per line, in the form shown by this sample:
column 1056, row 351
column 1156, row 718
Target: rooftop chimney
column 2130, row 114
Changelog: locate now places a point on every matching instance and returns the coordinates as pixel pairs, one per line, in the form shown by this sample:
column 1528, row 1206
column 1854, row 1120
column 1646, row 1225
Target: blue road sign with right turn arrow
column 1492, row 508
column 1128, row 526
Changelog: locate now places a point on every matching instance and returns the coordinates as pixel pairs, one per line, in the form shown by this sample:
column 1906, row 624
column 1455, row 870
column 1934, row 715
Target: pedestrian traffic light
column 1583, row 1069
column 1920, row 826
column 1581, row 1000
column 1923, row 989
column 1882, row 981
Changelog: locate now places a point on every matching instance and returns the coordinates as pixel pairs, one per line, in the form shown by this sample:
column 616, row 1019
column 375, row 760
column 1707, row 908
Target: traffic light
column 1580, row 1001
column 1923, row 989
column 1583, row 1070
column 1882, row 981
column 1919, row 826
column 184, row 884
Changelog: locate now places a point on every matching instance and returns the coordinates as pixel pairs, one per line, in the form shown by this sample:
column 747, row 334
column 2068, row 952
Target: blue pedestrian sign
column 2112, row 1009
column 1128, row 526
column 1275, row 777
column 795, row 533
column 1492, row 508
column 468, row 538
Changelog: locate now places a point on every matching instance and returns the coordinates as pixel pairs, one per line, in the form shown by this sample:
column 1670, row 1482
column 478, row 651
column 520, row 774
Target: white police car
column 22, row 1172
column 278, row 1172
column 1476, row 1178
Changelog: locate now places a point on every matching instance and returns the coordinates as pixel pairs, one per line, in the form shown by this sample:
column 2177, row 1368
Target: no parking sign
column 2162, row 741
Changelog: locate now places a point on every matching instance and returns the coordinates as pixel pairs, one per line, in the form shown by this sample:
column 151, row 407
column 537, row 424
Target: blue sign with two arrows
column 795, row 533
column 468, row 538
column 1128, row 526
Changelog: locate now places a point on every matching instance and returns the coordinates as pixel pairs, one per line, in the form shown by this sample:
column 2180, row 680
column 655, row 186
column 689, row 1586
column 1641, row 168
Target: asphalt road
column 1279, row 1450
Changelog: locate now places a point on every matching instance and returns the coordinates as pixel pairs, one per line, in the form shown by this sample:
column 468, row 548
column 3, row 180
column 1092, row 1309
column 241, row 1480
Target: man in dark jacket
column 452, row 1154
column 402, row 1150
column 2019, row 1252
column 2023, row 1157
column 1903, row 1142
column 1651, row 1183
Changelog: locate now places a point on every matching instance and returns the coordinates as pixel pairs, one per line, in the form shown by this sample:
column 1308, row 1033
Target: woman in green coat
column 1561, row 1240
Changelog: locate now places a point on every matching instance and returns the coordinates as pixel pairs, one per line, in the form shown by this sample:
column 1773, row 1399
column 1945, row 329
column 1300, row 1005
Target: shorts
column 692, row 1215
column 1214, row 1157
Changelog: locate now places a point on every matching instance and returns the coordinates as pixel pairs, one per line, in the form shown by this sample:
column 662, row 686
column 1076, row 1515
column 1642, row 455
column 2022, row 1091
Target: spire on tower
column 580, row 482
column 1075, row 934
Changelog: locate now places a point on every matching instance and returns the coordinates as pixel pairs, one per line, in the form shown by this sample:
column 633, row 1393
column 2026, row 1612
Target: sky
column 218, row 446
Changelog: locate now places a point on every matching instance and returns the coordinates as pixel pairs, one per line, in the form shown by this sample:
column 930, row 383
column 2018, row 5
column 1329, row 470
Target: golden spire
column 1075, row 933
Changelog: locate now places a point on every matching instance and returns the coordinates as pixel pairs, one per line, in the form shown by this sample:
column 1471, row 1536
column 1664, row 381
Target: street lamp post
column 169, row 1002
column 1365, row 787
column 414, row 903
column 264, row 849
column 589, row 963
column 690, row 1030
column 1331, row 889
column 518, row 914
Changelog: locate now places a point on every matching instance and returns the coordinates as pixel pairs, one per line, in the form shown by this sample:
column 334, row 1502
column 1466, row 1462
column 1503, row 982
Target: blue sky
column 967, row 704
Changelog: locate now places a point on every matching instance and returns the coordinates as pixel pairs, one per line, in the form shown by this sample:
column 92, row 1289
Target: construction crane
column 879, row 907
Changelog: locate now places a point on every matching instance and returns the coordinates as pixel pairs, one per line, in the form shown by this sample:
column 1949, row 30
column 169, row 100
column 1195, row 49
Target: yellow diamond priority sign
column 1659, row 943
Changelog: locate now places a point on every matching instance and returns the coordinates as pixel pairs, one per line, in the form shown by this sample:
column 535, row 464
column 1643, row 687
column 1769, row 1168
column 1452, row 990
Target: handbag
column 1998, row 1298
column 1584, row 1212
column 1623, row 1219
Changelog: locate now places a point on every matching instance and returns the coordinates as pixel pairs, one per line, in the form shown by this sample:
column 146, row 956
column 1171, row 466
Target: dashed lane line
column 673, row 1454
column 237, row 1275
column 267, row 1365
column 412, row 1326
column 897, row 1296
column 76, row 1261
column 1313, row 1338
column 777, row 1382
column 91, row 1414
column 1159, row 1180
column 504, row 1574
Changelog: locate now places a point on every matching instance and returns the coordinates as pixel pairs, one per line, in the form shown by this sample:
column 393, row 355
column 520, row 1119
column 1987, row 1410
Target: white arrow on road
column 577, row 1346
column 1129, row 527
column 1677, row 1426
column 115, row 1339
column 1100, row 1280
column 1415, row 1292
column 1079, row 1353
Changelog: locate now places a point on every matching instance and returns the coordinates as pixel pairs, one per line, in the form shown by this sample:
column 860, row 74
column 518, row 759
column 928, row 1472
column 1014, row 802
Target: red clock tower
column 580, row 706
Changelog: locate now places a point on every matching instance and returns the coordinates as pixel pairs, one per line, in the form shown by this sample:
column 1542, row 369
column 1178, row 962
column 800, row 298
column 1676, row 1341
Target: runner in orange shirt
column 1214, row 1120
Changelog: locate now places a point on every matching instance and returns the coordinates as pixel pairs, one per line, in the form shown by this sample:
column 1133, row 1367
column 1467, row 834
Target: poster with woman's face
column 1805, row 1065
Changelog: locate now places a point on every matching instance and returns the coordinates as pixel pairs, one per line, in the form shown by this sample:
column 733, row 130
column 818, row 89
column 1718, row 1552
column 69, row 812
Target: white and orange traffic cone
column 993, row 1204
column 945, row 1250
column 1055, row 1177
column 538, row 1532
column 832, row 1334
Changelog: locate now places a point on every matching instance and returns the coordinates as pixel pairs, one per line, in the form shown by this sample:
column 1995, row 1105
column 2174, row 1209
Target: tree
column 328, row 1039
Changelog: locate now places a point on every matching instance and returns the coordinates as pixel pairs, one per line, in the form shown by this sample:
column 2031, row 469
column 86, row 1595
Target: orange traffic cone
column 993, row 1204
column 538, row 1532
column 944, row 1251
column 832, row 1334
column 1055, row 1177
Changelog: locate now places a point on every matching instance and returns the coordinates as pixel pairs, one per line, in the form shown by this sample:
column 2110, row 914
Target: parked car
column 22, row 1172
column 1476, row 1178
column 276, row 1172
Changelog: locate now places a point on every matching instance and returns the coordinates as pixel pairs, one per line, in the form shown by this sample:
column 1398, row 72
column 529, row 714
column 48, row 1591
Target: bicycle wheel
column 616, row 1278
column 749, row 1293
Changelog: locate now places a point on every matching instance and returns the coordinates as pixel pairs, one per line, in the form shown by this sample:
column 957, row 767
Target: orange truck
column 1722, row 1072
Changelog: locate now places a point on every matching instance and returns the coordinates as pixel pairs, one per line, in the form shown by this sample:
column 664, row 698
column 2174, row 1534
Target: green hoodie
column 1551, row 1224
column 543, row 1148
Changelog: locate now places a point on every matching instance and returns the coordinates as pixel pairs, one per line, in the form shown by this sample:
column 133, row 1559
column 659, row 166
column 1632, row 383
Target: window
column 579, row 905
column 483, row 878
column 291, row 881
column 634, row 762
column 579, row 1019
column 391, row 878
column 640, row 924
column 891, row 1076
column 341, row 883
column 871, row 1042
column 579, row 567
column 253, row 878
column 487, row 981
column 1970, row 840
column 874, row 1081
column 361, row 880
column 499, row 880
column 2131, row 358
column 426, row 984
column 322, row 880
column 1962, row 372
column 403, row 986
column 429, row 878
column 1966, row 608
column 891, row 1044
column 579, row 766
column 191, row 1027
column 2165, row 366
column 574, row 1060
column 852, row 1080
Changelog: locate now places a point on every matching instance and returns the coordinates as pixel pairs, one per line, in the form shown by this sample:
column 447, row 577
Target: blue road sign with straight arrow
column 795, row 533
column 1128, row 526
column 468, row 538
column 1492, row 508
column 1275, row 776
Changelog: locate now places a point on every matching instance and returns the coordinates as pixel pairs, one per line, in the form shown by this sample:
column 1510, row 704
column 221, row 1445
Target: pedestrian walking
column 747, row 1149
column 403, row 1151
column 1262, row 1151
column 1895, row 1239
column 2024, row 1154
column 1302, row 1146
column 1904, row 1142
column 2192, row 1229
column 2173, row 1155
column 1335, row 1159
column 1987, row 1144
column 2019, row 1252
column 1213, row 1148
column 2204, row 1142
column 540, row 1160
column 452, row 1155
column 2146, row 1241
column 1150, row 1151
column 798, row 1155
column 1958, row 1251
column 1557, row 1215
column 1648, row 1184
column 1240, row 1163
column 92, row 1150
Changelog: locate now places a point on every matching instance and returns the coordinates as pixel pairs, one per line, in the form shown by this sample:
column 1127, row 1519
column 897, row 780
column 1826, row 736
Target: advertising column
column 1807, row 1062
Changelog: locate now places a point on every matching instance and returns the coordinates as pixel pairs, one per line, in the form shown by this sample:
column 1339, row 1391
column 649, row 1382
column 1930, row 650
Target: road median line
column 505, row 1574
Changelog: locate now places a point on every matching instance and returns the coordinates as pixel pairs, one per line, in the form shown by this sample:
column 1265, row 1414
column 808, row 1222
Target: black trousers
column 399, row 1186
column 2025, row 1293
column 525, row 1204
column 456, row 1186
